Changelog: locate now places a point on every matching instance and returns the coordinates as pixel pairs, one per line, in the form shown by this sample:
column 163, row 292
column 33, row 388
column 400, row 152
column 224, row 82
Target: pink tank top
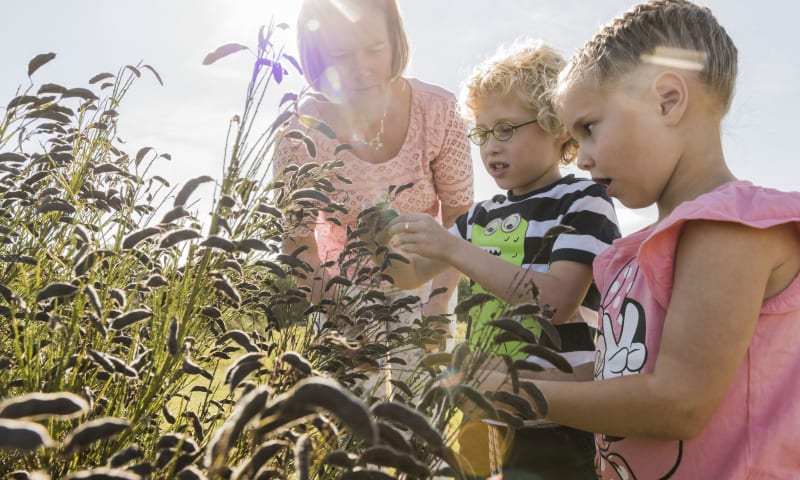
column 755, row 433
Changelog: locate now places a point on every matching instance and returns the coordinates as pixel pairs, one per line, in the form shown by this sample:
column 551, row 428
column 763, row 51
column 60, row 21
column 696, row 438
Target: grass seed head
column 36, row 406
column 23, row 436
column 87, row 433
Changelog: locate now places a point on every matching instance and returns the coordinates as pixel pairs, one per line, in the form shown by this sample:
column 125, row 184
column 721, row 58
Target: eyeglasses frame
column 485, row 132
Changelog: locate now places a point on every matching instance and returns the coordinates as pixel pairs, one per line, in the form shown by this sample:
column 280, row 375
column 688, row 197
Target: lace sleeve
column 452, row 168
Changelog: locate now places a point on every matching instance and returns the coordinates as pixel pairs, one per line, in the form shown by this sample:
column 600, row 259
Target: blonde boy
column 500, row 244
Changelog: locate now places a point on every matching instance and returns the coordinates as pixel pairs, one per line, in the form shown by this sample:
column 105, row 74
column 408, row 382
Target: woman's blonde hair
column 527, row 70
column 312, row 20
column 674, row 33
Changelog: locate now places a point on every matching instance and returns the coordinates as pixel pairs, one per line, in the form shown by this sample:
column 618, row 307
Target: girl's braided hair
column 668, row 32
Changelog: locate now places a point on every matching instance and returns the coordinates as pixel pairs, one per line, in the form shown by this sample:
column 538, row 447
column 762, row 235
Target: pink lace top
column 435, row 157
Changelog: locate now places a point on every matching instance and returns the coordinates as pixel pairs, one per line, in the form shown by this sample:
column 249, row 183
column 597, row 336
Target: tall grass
column 136, row 344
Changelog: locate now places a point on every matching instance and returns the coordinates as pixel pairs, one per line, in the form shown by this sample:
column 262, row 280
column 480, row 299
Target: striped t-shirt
column 514, row 227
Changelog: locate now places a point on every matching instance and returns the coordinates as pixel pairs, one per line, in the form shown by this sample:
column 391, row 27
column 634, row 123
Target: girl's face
column 358, row 56
column 527, row 161
column 622, row 141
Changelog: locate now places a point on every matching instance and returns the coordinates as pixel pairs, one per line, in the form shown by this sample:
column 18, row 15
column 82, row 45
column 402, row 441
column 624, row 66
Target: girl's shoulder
column 735, row 203
column 739, row 202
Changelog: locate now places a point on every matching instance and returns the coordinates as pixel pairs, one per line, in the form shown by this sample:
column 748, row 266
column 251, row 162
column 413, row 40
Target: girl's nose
column 584, row 161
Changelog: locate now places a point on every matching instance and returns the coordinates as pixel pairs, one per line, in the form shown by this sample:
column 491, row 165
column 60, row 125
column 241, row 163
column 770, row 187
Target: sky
column 188, row 116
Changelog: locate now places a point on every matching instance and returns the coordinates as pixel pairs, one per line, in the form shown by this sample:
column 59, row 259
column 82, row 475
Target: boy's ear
column 561, row 140
column 673, row 95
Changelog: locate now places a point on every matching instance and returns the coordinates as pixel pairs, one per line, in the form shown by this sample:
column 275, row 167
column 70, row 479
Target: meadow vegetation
column 139, row 340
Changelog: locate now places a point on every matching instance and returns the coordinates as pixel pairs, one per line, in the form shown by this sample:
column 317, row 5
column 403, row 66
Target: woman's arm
column 723, row 273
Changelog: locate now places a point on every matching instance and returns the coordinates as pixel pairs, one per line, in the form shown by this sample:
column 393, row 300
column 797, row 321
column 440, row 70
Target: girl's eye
column 588, row 128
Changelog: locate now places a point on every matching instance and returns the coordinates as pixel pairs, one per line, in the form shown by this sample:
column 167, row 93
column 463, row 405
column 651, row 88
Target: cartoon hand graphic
column 626, row 355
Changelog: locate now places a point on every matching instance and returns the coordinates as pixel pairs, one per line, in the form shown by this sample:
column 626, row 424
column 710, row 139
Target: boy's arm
column 563, row 287
column 417, row 269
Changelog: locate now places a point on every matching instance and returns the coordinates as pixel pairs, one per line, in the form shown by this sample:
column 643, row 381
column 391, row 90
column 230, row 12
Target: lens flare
column 681, row 58
column 333, row 84
column 349, row 9
column 312, row 25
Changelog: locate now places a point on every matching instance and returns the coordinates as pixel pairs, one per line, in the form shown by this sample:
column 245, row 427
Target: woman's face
column 357, row 55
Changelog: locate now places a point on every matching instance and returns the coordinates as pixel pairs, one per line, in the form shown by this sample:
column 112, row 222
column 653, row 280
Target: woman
column 401, row 130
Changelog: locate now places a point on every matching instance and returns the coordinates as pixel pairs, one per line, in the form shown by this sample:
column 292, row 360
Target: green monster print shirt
column 513, row 228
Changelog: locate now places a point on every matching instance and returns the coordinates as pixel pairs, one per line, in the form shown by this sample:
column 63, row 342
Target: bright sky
column 188, row 117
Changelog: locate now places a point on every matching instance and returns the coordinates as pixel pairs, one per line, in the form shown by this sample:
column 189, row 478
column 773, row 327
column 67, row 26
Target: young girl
column 697, row 362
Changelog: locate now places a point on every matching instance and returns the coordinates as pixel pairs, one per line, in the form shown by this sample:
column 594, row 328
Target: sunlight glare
column 350, row 10
column 677, row 58
column 248, row 15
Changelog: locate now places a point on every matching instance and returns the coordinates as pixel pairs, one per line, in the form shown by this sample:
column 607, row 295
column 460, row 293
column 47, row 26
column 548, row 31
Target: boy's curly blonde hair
column 528, row 70
column 674, row 33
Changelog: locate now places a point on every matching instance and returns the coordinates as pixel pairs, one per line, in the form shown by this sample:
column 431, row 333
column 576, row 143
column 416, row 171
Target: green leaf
column 83, row 93
column 51, row 88
column 155, row 73
column 294, row 62
column 310, row 147
column 223, row 51
column 288, row 97
column 21, row 100
column 134, row 70
column 100, row 76
column 38, row 61
column 280, row 120
column 316, row 124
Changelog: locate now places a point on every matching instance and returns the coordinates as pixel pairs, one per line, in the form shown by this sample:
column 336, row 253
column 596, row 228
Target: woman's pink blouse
column 435, row 157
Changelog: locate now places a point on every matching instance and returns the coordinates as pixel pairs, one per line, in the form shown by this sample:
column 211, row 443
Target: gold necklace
column 376, row 142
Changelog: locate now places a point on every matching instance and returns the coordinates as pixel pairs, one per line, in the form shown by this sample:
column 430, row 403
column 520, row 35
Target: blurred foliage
column 140, row 341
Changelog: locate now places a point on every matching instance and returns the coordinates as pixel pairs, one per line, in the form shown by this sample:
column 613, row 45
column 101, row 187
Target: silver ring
column 406, row 226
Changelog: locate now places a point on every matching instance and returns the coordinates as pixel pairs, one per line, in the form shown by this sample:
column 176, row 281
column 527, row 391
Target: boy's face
column 621, row 137
column 527, row 161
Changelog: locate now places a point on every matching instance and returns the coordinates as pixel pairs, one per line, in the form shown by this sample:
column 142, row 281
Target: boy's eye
column 503, row 130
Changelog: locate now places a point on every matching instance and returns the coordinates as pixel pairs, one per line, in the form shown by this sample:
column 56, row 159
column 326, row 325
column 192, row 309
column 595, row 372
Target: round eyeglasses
column 502, row 131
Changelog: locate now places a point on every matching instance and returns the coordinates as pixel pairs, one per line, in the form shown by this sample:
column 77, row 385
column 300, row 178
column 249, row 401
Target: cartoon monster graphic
column 503, row 237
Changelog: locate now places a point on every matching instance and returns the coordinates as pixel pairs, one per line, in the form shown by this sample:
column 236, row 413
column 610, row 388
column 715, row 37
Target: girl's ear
column 673, row 95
